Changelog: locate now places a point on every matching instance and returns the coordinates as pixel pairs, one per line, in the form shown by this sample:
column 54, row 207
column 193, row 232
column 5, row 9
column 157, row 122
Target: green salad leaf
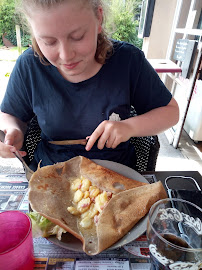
column 42, row 227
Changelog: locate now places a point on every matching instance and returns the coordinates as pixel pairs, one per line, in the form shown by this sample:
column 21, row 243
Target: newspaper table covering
column 14, row 196
column 52, row 256
column 13, row 192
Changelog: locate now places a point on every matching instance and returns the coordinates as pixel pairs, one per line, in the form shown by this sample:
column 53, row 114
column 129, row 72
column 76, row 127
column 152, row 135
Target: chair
column 31, row 139
column 147, row 148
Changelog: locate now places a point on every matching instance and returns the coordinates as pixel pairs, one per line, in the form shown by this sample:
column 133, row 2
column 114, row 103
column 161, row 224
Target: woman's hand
column 14, row 130
column 13, row 141
column 110, row 134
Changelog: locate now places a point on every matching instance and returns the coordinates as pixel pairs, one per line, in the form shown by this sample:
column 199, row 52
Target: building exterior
column 176, row 35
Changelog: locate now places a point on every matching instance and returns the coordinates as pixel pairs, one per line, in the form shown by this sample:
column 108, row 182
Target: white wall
column 155, row 46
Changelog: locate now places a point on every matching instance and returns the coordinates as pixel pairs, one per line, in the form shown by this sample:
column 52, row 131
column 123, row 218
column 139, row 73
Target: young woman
column 80, row 85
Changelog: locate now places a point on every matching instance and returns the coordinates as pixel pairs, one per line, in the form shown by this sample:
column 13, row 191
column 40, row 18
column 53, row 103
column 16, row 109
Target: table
column 133, row 256
column 164, row 66
column 161, row 176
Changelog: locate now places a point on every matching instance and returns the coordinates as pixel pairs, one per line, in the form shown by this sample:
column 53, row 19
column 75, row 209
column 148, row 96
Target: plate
column 70, row 242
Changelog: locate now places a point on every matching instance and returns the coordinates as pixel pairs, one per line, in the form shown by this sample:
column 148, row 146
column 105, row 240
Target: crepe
column 51, row 194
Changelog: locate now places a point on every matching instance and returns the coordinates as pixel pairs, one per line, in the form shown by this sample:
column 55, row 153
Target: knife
column 70, row 142
column 28, row 171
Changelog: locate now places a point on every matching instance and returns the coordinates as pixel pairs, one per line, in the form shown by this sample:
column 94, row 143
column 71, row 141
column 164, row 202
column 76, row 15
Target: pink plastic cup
column 16, row 243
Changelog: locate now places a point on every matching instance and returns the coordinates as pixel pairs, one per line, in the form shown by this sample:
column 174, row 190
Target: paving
column 8, row 54
column 7, row 62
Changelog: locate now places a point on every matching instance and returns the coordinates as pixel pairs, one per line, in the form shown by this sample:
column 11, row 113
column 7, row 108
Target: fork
column 28, row 171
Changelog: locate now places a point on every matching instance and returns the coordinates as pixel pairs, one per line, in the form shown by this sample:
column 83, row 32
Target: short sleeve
column 150, row 92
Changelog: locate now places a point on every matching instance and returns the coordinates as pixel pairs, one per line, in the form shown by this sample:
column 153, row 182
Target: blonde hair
column 104, row 44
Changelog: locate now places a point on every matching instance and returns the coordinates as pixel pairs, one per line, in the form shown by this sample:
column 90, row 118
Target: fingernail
column 23, row 154
column 12, row 149
column 87, row 148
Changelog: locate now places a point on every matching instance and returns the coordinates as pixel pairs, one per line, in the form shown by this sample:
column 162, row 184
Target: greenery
column 121, row 23
column 7, row 74
column 7, row 23
column 25, row 38
column 8, row 20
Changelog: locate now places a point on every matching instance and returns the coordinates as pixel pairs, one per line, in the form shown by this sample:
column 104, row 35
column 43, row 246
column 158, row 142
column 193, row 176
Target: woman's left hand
column 112, row 133
column 109, row 134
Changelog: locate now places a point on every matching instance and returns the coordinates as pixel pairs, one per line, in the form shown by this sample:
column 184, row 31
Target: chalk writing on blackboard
column 184, row 52
column 180, row 49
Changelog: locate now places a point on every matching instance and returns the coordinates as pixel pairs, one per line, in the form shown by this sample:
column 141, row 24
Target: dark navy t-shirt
column 68, row 110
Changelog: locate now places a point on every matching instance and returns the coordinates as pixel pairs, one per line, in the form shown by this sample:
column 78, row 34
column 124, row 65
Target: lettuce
column 41, row 226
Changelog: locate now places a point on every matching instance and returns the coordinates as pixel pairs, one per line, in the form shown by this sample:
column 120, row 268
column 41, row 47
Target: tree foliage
column 8, row 20
column 121, row 23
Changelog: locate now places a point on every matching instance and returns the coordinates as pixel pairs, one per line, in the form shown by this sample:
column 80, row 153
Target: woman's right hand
column 13, row 141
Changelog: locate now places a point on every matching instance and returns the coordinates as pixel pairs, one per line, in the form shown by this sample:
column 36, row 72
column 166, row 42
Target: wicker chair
column 31, row 139
column 147, row 148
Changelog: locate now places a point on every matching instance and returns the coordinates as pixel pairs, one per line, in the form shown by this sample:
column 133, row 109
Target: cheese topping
column 88, row 201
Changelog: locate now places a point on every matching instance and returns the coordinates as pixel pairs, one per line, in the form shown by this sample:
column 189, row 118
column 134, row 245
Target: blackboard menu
column 184, row 52
column 180, row 49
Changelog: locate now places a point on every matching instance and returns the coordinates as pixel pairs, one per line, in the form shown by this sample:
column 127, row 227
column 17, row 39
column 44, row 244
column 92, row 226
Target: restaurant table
column 164, row 66
column 178, row 183
column 134, row 255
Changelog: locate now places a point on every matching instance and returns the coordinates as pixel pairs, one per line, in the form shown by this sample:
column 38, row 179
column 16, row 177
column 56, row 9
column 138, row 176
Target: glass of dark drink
column 174, row 233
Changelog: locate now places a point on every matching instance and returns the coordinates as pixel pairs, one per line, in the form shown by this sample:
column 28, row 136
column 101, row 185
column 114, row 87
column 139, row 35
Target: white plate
column 70, row 242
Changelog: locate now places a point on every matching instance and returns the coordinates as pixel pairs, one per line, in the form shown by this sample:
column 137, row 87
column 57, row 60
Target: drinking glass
column 174, row 233
column 16, row 243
